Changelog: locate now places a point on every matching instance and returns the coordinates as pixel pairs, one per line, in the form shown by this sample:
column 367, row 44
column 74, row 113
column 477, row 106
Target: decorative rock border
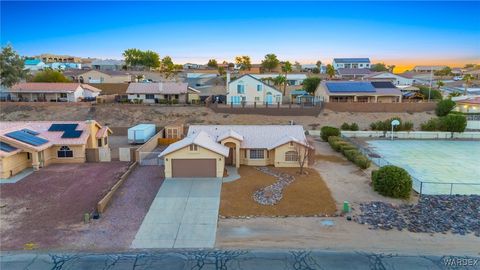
column 271, row 195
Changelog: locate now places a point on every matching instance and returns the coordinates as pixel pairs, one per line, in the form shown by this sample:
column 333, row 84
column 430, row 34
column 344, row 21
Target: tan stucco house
column 358, row 91
column 207, row 149
column 55, row 92
column 99, row 76
column 36, row 144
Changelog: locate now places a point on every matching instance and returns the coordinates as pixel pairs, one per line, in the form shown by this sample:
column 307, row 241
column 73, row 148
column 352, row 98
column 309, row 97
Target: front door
column 269, row 99
column 229, row 159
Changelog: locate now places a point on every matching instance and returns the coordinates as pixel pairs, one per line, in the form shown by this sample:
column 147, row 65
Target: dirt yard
column 116, row 228
column 308, row 195
column 123, row 115
column 43, row 207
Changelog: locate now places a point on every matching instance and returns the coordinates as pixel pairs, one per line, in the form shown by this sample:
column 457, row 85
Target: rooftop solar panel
column 62, row 127
column 346, row 87
column 5, row 147
column 383, row 85
column 26, row 138
column 31, row 132
column 72, row 134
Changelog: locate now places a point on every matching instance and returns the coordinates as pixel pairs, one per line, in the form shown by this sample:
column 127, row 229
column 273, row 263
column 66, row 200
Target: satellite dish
column 395, row 122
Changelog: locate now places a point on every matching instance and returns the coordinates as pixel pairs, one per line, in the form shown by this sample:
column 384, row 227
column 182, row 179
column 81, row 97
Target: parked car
column 458, row 78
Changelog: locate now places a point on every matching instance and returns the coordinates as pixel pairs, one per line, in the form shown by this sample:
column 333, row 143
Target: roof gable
column 258, row 80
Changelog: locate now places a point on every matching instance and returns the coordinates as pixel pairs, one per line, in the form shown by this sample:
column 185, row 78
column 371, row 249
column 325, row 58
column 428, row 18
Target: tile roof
column 53, row 137
column 351, row 60
column 254, row 136
column 157, row 88
column 77, row 72
column 51, row 87
column 202, row 139
column 353, row 71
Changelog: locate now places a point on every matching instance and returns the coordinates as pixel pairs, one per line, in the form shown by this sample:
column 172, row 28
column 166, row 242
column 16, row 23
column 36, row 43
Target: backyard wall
column 405, row 134
column 379, row 107
column 271, row 110
column 149, row 146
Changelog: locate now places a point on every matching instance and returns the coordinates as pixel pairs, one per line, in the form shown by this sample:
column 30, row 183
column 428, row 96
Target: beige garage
column 194, row 168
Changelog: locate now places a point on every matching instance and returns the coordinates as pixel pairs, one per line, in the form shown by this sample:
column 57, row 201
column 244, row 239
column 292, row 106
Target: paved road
column 184, row 214
column 233, row 259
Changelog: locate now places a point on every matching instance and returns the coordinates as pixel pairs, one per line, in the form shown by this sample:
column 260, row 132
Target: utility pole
column 431, row 79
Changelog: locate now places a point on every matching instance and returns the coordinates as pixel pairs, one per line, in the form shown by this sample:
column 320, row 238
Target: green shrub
column 354, row 127
column 338, row 145
column 345, row 126
column 362, row 161
column 407, row 126
column 453, row 123
column 174, row 101
column 433, row 124
column 392, row 181
column 444, row 107
column 327, row 131
column 346, row 146
column 351, row 154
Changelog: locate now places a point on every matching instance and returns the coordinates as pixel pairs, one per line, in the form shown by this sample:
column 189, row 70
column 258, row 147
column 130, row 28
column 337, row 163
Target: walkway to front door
column 184, row 214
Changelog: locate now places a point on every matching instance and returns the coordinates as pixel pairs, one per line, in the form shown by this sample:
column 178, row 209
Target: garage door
column 194, row 168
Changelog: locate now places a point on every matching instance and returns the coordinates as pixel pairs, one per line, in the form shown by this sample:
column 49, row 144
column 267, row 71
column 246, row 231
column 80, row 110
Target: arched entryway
column 231, row 159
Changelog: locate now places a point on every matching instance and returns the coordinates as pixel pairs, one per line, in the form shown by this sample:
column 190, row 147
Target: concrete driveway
column 184, row 214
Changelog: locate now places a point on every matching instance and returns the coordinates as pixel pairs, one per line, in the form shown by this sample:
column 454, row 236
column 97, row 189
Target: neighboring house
column 158, row 92
column 352, row 73
column 292, row 78
column 354, row 91
column 64, row 66
column 99, row 76
column 424, row 69
column 207, row 149
column 36, row 144
column 192, row 66
column 34, row 64
column 108, row 64
column 64, row 92
column 397, row 80
column 311, row 67
column 51, row 58
column 470, row 106
column 351, row 63
column 207, row 85
column 249, row 89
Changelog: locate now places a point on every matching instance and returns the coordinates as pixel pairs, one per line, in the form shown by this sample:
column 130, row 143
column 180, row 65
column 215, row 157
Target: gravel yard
column 306, row 196
column 116, row 228
column 45, row 206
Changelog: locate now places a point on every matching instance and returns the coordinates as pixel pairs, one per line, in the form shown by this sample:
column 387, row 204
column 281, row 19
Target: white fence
column 405, row 134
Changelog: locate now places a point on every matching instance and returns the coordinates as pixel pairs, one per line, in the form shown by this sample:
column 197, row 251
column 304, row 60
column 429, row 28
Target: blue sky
column 398, row 32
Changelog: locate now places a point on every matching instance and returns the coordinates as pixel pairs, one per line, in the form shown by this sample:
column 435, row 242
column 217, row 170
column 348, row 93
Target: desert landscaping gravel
column 272, row 194
column 459, row 214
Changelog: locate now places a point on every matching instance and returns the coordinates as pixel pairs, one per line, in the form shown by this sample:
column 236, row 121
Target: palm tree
column 279, row 80
column 330, row 71
column 468, row 78
column 286, row 68
column 440, row 84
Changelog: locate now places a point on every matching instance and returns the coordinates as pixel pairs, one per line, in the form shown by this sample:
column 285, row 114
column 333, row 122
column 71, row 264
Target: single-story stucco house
column 36, row 144
column 355, row 91
column 159, row 92
column 207, row 149
column 64, row 92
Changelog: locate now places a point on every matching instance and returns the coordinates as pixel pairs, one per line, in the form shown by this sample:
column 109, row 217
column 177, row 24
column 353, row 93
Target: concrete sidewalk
column 184, row 214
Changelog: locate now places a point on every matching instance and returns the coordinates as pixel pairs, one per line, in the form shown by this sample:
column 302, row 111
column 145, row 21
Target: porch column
column 376, row 99
column 35, row 161
column 237, row 155
column 355, row 99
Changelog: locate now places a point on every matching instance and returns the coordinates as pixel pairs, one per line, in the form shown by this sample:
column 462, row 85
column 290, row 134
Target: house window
column 99, row 142
column 64, row 152
column 63, row 95
column 105, row 140
column 291, row 156
column 257, row 154
column 193, row 147
column 240, row 89
column 150, row 96
column 290, row 143
column 176, row 96
column 28, row 156
column 259, row 87
column 138, row 95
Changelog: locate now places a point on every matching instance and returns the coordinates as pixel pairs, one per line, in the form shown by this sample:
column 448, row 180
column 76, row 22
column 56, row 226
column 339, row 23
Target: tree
column 454, row 123
column 315, row 70
column 286, row 68
column 270, row 62
column 440, row 84
column 444, row 107
column 330, row 71
column 319, row 64
column 434, row 93
column 391, row 68
column 298, row 66
column 279, row 80
column 167, row 66
column 11, row 67
column 303, row 151
column 378, row 67
column 446, row 71
column 212, row 63
column 244, row 62
column 50, row 75
column 467, row 78
column 310, row 84
column 133, row 57
column 150, row 59
column 221, row 71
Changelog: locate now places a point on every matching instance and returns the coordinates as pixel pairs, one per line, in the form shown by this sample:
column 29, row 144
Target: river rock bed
column 459, row 214
column 270, row 195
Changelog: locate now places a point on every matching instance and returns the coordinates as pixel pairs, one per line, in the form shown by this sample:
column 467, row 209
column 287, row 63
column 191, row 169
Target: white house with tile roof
column 249, row 89
column 42, row 91
column 207, row 149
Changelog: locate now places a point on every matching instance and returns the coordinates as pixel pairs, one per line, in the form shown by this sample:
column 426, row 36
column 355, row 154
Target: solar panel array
column 5, row 147
column 347, row 87
column 69, row 130
column 26, row 138
column 383, row 85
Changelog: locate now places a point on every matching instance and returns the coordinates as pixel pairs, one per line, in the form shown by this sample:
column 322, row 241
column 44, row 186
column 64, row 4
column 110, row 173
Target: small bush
column 362, row 161
column 327, row 131
column 346, row 147
column 407, row 126
column 351, row 154
column 444, row 107
column 433, row 124
column 354, row 127
column 392, row 181
column 345, row 126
